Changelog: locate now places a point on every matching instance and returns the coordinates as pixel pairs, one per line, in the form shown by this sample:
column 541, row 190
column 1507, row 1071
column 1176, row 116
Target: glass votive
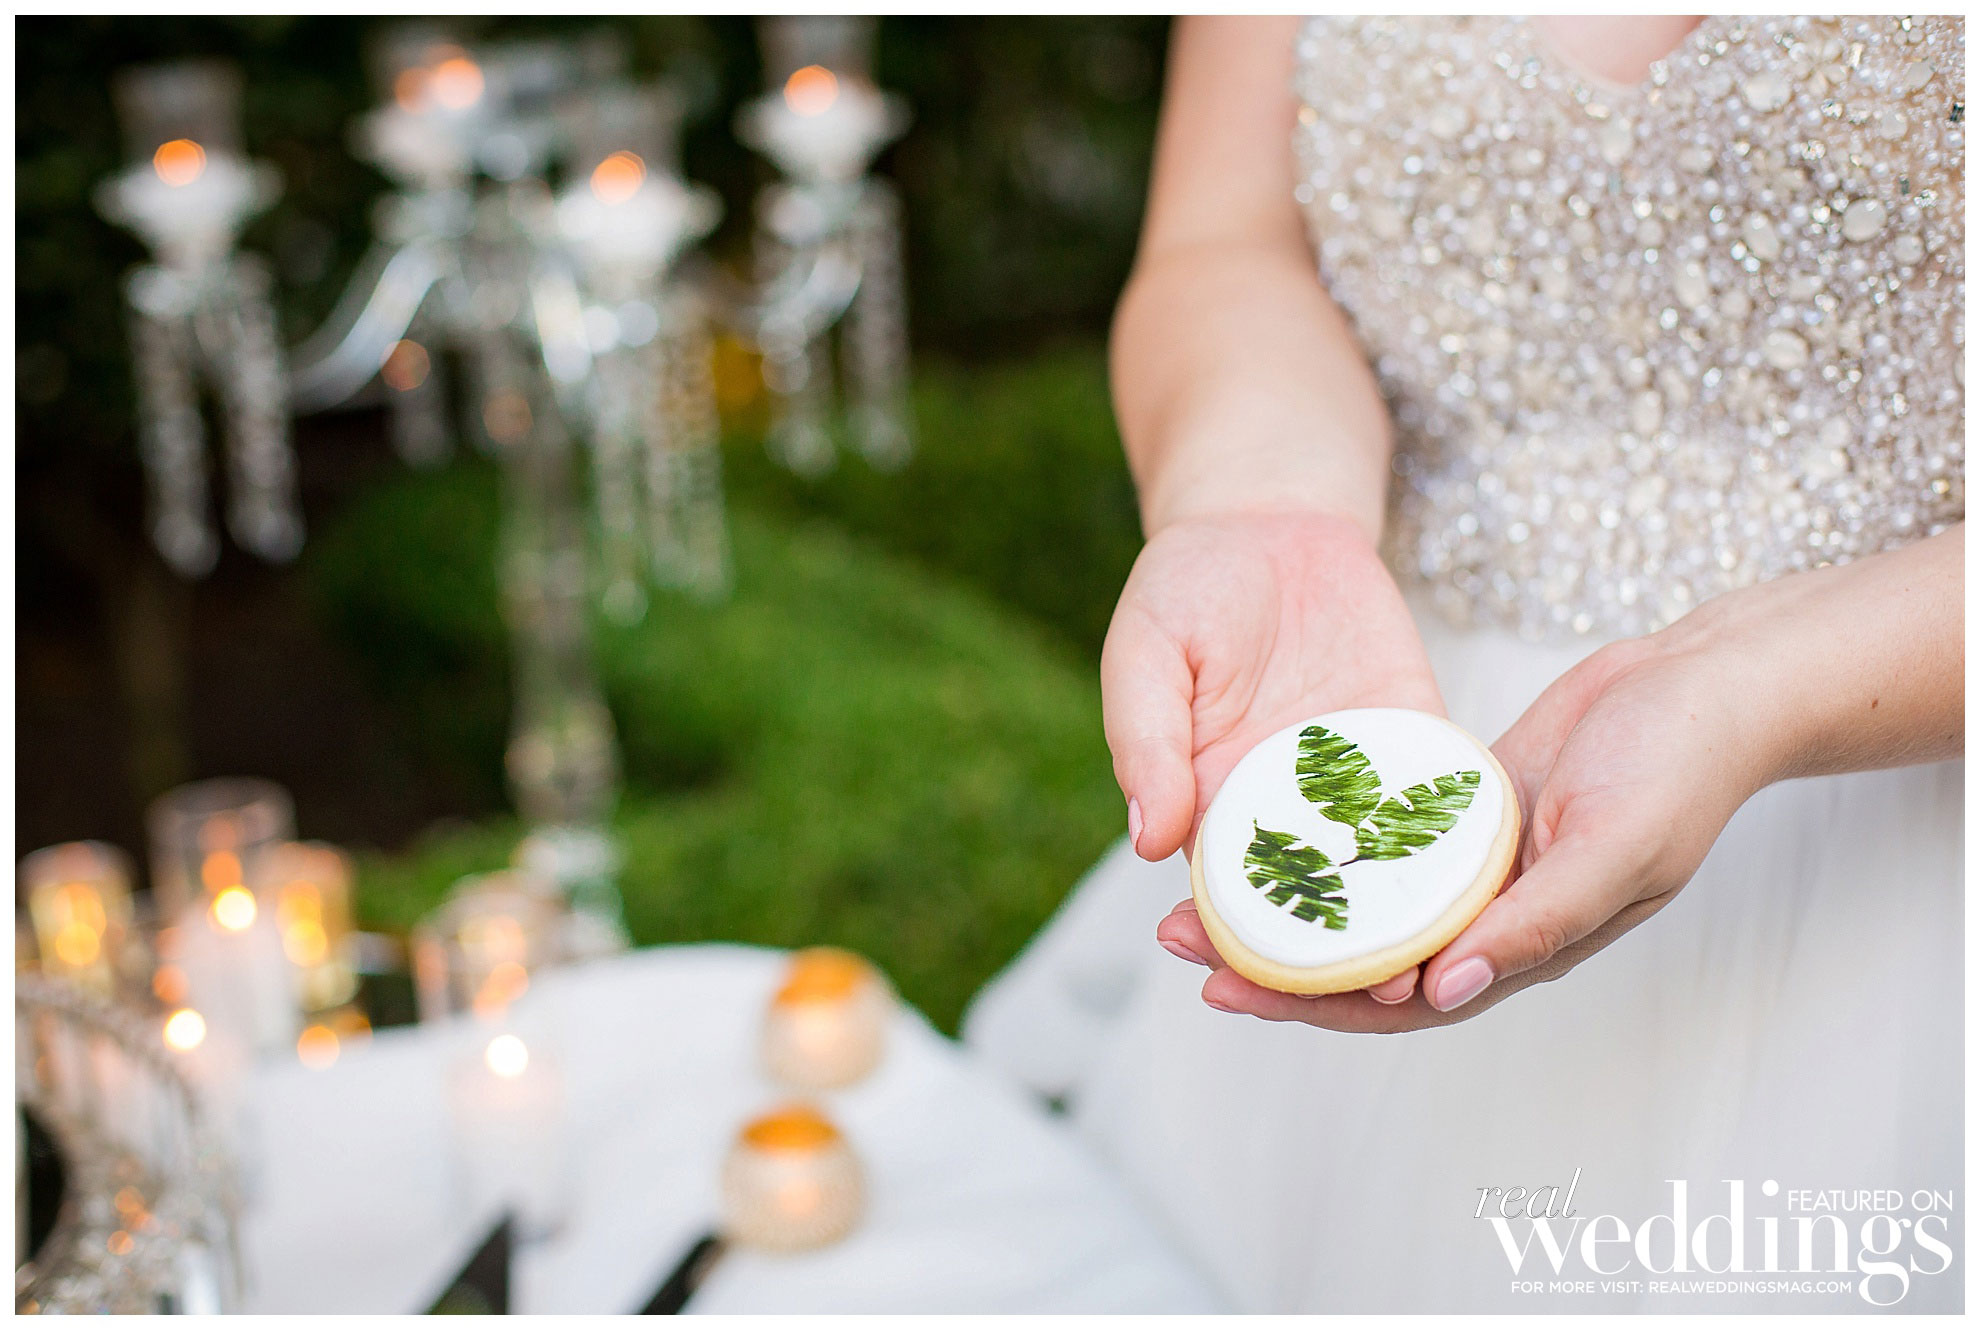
column 791, row 1182
column 476, row 953
column 311, row 884
column 827, row 1025
column 213, row 836
column 79, row 907
column 505, row 1100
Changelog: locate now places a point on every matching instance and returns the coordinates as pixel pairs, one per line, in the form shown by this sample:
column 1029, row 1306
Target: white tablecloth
column 978, row 1199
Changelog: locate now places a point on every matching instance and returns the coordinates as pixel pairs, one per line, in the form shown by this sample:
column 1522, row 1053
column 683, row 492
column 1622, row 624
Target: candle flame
column 179, row 162
column 618, row 177
column 798, row 1127
column 305, row 942
column 317, row 1047
column 507, row 1056
column 811, row 90
column 456, row 83
column 234, row 909
column 185, row 1030
column 220, row 870
column 76, row 944
column 822, row 974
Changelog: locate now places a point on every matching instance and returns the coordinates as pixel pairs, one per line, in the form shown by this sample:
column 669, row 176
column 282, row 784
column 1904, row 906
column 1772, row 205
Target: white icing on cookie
column 1388, row 901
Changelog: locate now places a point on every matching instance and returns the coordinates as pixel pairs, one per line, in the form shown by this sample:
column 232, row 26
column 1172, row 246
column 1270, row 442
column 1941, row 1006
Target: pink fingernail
column 1394, row 1001
column 1134, row 823
column 1178, row 949
column 1212, row 1002
column 1462, row 982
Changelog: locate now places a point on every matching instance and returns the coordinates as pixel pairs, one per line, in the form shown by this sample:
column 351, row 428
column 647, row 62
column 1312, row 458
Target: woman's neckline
column 1543, row 45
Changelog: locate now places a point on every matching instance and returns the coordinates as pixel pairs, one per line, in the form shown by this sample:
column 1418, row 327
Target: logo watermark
column 1868, row 1241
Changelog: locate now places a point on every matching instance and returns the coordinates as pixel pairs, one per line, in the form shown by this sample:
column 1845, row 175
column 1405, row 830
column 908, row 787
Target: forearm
column 1238, row 384
column 1850, row 668
column 1239, row 387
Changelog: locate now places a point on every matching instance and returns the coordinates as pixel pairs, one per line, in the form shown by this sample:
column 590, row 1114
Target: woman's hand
column 1231, row 628
column 1632, row 762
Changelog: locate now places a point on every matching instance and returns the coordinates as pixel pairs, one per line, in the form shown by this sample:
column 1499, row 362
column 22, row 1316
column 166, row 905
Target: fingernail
column 1212, row 1002
column 1178, row 949
column 1134, row 823
column 1462, row 982
column 1394, row 1001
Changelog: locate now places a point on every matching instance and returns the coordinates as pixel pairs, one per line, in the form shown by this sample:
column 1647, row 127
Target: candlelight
column 827, row 1024
column 78, row 900
column 220, row 870
column 456, row 83
column 506, row 981
column 406, row 366
column 618, row 177
column 234, row 909
column 179, row 162
column 791, row 1182
column 317, row 1047
column 185, row 1030
column 811, row 90
column 506, row 1056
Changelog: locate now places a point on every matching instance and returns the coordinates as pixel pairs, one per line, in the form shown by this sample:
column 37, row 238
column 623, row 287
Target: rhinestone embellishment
column 1645, row 345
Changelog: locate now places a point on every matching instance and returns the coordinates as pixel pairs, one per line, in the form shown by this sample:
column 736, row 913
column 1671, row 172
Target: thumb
column 1573, row 888
column 1146, row 687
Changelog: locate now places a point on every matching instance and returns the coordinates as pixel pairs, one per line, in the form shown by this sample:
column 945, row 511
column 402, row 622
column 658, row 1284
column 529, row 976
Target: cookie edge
column 1363, row 971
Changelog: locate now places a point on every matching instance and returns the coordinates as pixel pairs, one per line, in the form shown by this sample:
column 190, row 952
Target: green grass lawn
column 864, row 745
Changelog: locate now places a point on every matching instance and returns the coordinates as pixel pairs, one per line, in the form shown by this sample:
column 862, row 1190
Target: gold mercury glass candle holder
column 827, row 1025
column 79, row 908
column 791, row 1182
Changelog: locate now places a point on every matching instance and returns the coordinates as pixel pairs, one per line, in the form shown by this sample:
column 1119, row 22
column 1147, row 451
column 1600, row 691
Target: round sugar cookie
column 1347, row 848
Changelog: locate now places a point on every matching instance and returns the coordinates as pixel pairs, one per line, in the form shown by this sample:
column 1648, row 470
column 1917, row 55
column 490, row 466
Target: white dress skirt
column 1793, row 1017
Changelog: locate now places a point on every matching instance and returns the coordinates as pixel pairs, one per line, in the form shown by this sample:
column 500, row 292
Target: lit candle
column 189, row 189
column 628, row 214
column 791, row 1182
column 215, row 834
column 823, row 126
column 507, row 1104
column 311, row 883
column 79, row 907
column 827, row 1025
column 427, row 134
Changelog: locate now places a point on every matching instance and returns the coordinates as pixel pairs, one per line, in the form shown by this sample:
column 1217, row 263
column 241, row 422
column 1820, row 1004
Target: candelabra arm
column 340, row 358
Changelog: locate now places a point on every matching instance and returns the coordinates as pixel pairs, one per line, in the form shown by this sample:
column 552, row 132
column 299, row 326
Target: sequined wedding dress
column 1641, row 346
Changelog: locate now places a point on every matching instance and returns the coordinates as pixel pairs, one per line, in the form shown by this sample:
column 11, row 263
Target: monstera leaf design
column 1338, row 778
column 1287, row 871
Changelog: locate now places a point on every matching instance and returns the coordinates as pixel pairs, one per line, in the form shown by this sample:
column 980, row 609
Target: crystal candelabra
column 828, row 247
column 584, row 340
column 202, row 310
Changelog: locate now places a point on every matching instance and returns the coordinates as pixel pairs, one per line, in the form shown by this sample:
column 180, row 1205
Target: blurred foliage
column 1017, row 486
column 873, row 757
column 889, row 738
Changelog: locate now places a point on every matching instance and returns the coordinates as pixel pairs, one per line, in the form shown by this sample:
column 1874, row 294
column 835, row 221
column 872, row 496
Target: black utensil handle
column 685, row 1278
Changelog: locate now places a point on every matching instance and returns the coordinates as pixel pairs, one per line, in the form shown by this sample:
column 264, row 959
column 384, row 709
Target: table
column 979, row 1200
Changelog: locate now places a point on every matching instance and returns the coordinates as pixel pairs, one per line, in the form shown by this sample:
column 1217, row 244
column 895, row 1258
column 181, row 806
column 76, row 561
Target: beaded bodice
column 1644, row 345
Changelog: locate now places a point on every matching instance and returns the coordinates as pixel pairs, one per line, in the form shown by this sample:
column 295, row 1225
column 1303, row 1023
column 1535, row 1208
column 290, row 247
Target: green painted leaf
column 1337, row 776
column 1405, row 823
column 1288, row 872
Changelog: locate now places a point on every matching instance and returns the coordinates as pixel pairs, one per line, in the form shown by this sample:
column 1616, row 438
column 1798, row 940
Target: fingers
column 1569, row 892
column 1398, row 989
column 1146, row 686
column 1182, row 934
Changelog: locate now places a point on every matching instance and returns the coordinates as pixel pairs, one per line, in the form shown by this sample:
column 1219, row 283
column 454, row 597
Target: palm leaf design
column 1288, row 872
column 1405, row 823
column 1338, row 778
